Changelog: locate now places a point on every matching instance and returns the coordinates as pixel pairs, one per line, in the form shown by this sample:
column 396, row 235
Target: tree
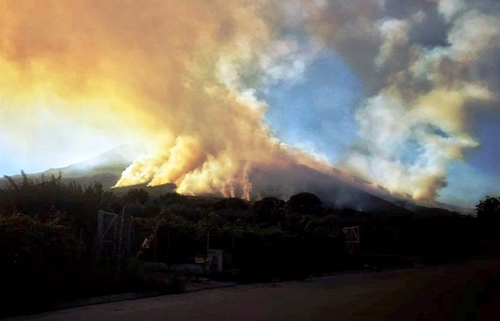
column 232, row 203
column 136, row 195
column 269, row 211
column 489, row 208
column 306, row 203
column 488, row 215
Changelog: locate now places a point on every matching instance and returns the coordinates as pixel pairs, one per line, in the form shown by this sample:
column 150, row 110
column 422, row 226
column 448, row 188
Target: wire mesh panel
column 352, row 239
column 113, row 235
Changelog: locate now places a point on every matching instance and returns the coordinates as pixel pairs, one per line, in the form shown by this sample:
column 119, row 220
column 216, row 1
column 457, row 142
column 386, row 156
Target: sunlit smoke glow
column 182, row 80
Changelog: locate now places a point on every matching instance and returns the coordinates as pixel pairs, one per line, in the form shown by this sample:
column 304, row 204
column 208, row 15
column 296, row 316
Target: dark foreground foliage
column 47, row 231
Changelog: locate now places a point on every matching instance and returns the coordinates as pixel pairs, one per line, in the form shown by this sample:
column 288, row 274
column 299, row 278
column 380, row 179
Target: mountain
column 105, row 168
column 334, row 191
column 111, row 162
column 334, row 187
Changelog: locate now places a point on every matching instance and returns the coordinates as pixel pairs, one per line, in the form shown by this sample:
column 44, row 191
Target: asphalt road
column 469, row 291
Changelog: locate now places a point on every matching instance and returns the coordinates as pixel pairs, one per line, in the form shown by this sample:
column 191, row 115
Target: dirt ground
column 468, row 291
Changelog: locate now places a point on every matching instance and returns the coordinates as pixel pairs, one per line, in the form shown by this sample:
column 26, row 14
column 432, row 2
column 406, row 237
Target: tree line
column 47, row 230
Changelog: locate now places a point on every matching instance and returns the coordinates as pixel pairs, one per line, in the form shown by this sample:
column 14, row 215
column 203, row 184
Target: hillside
column 336, row 189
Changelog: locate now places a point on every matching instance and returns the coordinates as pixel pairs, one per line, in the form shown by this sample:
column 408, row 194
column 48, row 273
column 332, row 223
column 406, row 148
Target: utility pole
column 120, row 240
column 208, row 242
column 208, row 247
column 168, row 245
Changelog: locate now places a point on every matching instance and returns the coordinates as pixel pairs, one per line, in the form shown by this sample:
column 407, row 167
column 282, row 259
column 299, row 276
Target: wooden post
column 168, row 245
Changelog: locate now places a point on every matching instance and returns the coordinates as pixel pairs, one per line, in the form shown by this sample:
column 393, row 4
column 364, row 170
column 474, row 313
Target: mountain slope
column 333, row 191
column 334, row 188
column 113, row 162
column 105, row 168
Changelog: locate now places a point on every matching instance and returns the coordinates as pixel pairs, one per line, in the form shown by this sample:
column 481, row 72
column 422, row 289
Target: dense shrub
column 41, row 198
column 36, row 258
column 47, row 243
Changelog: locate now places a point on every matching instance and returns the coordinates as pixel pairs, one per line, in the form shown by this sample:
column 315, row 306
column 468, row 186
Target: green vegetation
column 488, row 215
column 48, row 227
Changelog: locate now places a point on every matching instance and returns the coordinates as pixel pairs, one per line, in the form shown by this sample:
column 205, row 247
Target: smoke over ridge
column 183, row 79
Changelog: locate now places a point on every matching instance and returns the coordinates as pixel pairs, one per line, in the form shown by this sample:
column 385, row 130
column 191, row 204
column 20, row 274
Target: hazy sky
column 401, row 93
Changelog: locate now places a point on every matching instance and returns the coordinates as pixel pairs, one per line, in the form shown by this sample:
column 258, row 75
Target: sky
column 403, row 94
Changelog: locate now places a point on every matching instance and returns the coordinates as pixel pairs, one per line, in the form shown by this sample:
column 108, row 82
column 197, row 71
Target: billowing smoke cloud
column 425, row 65
column 183, row 79
column 169, row 72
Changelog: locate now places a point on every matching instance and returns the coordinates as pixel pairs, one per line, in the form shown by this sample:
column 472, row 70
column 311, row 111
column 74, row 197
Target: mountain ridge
column 334, row 188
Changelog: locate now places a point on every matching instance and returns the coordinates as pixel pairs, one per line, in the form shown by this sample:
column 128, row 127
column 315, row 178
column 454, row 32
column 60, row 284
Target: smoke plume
column 182, row 78
column 425, row 65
